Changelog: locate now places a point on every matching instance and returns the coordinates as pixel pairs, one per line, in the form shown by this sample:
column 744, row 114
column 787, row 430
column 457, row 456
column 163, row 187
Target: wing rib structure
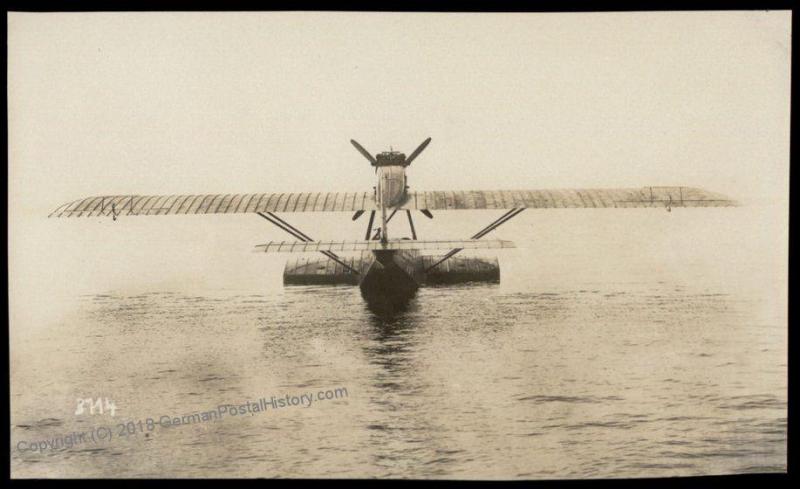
column 345, row 246
column 567, row 198
column 163, row 205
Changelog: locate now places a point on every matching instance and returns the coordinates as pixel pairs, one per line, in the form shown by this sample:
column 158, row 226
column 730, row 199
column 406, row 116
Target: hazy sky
column 251, row 102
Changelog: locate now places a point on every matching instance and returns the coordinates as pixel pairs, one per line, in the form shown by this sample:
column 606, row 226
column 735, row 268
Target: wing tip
column 63, row 207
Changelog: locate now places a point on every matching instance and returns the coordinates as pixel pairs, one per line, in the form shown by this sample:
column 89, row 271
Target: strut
column 280, row 223
column 411, row 225
column 369, row 225
column 483, row 232
column 410, row 222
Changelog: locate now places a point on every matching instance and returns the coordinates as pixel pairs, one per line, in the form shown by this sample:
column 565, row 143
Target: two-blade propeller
column 374, row 162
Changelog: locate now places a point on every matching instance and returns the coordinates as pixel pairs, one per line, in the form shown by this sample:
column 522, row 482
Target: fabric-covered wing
column 307, row 246
column 159, row 205
column 567, row 198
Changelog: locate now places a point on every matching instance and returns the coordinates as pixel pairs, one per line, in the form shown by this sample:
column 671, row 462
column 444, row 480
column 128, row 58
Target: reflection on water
column 640, row 379
column 387, row 307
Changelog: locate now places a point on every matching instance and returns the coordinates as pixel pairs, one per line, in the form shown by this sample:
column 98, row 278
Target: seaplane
column 388, row 271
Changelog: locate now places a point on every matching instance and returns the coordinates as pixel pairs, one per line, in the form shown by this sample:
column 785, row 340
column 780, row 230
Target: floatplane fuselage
column 388, row 270
column 391, row 271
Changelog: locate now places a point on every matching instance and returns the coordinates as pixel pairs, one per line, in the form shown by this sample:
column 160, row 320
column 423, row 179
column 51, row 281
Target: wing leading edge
column 160, row 205
column 309, row 246
column 567, row 198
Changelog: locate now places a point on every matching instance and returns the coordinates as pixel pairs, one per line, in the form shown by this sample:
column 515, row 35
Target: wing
column 307, row 246
column 567, row 198
column 161, row 205
column 152, row 205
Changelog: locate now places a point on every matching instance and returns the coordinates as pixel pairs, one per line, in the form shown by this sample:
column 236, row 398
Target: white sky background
column 151, row 103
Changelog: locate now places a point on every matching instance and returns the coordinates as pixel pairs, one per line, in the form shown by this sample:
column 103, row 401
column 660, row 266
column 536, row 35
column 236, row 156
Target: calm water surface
column 568, row 376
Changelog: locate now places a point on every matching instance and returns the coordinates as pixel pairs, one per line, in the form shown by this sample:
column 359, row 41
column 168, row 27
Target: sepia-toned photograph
column 398, row 245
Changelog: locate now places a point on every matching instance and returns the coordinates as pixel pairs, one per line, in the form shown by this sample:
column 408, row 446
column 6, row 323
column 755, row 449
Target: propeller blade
column 364, row 152
column 418, row 151
column 357, row 215
column 427, row 213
